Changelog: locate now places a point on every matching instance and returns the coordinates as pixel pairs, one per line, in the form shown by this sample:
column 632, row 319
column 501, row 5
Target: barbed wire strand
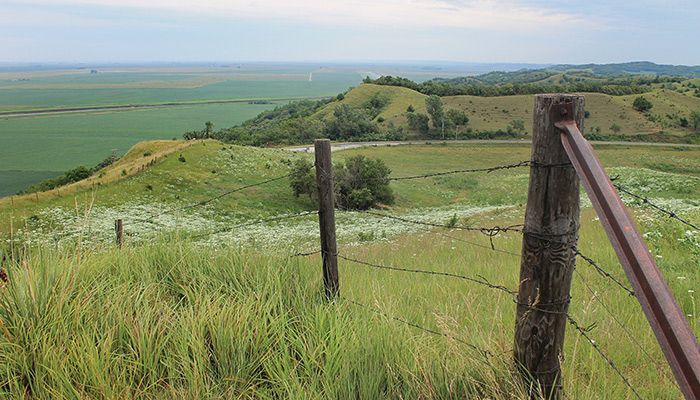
column 483, row 246
column 646, row 201
column 483, row 352
column 611, row 363
column 603, row 272
column 489, row 231
column 151, row 217
column 255, row 222
column 481, row 281
column 519, row 164
column 624, row 327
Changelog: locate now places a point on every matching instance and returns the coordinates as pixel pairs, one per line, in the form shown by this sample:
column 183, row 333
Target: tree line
column 471, row 86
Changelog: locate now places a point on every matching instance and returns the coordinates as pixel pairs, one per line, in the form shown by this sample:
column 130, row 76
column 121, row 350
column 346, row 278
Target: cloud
column 504, row 15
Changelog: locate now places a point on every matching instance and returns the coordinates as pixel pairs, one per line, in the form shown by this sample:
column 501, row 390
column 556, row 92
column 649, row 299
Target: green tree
column 419, row 122
column 360, row 183
column 301, row 178
column 615, row 128
column 208, row 128
column 695, row 120
column 516, row 126
column 350, row 123
column 410, row 108
column 641, row 104
column 436, row 110
column 458, row 117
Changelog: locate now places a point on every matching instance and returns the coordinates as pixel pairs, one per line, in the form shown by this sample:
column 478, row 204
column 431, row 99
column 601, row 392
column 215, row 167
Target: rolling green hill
column 189, row 309
column 399, row 98
column 490, row 114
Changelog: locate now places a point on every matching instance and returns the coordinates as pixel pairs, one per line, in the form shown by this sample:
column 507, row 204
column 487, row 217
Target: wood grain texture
column 548, row 258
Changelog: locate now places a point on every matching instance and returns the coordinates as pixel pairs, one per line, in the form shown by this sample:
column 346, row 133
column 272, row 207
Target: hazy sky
column 535, row 31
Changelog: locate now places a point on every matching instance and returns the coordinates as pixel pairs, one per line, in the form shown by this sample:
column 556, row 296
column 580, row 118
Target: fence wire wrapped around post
column 548, row 259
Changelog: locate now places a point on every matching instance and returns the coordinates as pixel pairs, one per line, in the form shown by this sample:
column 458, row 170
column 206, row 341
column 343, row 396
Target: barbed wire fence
column 493, row 233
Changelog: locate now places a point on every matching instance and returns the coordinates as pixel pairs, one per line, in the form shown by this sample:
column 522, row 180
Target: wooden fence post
column 548, row 258
column 119, row 230
column 326, row 216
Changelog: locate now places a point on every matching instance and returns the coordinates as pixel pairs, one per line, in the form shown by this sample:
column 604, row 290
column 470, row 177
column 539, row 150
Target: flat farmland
column 40, row 147
column 44, row 145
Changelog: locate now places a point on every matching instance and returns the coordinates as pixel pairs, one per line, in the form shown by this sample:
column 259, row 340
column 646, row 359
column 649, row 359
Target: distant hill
column 637, row 67
column 386, row 112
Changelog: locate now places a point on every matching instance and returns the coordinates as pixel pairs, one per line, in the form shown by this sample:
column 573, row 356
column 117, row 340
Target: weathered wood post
column 326, row 216
column 119, row 230
column 548, row 259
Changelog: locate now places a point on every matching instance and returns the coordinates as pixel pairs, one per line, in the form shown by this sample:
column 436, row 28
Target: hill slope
column 490, row 114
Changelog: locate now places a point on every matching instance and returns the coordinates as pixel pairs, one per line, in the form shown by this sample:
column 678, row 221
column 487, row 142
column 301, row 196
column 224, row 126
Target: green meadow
column 190, row 309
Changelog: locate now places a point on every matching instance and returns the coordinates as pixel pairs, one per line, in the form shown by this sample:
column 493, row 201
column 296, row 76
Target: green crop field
column 139, row 87
column 43, row 146
column 206, row 305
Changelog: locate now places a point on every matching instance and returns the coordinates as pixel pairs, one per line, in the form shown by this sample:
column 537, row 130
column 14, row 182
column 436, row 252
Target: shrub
column 458, row 117
column 516, row 126
column 419, row 122
column 360, row 173
column 360, row 183
column 360, row 199
column 641, row 104
column 181, row 158
column 695, row 120
column 301, row 178
column 350, row 123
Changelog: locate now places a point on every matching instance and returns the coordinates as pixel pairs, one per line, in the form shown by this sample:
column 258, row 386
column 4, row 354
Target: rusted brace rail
column 666, row 318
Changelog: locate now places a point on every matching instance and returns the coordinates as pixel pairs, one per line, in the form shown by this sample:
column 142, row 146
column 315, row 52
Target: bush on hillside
column 641, row 104
column 376, row 104
column 418, row 122
column 360, row 183
column 458, row 117
column 350, row 123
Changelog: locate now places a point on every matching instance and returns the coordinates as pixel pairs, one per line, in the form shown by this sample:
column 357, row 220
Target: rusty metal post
column 548, row 258
column 326, row 216
column 119, row 230
column 666, row 318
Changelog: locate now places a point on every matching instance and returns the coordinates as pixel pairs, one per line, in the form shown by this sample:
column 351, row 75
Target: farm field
column 45, row 146
column 32, row 142
column 190, row 280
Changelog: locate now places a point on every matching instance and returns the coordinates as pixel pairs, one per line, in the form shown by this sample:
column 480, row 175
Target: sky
column 517, row 31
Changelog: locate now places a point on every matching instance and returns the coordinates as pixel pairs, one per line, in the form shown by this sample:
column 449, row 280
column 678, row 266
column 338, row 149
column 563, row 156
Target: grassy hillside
column 159, row 185
column 230, row 315
column 490, row 114
column 399, row 99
